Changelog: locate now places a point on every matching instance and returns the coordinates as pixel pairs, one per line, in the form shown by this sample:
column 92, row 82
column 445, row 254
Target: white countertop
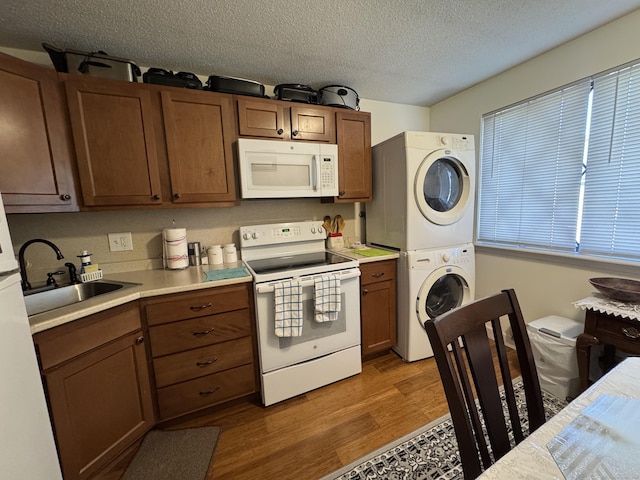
column 151, row 283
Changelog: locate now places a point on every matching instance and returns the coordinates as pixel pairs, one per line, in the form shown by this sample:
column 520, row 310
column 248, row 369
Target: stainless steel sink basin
column 61, row 297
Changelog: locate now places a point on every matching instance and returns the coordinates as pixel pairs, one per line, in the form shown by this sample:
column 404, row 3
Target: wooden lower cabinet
column 98, row 388
column 378, row 306
column 202, row 348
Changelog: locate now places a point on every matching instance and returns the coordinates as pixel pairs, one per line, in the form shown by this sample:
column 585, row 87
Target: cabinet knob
column 139, row 340
column 631, row 332
column 365, row 291
column 341, row 193
column 156, row 197
column 176, row 195
column 280, row 131
column 65, row 196
column 294, row 133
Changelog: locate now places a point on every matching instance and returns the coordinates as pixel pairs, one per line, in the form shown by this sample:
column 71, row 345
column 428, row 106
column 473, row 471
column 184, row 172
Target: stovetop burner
column 295, row 262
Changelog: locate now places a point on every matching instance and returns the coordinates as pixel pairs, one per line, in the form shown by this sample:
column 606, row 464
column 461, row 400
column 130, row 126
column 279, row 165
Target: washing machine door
column 442, row 188
column 444, row 289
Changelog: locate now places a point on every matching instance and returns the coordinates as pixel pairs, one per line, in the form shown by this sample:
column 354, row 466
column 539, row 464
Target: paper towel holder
column 178, row 258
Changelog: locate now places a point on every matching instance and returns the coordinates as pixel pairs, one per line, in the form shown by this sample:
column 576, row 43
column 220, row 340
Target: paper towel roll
column 175, row 248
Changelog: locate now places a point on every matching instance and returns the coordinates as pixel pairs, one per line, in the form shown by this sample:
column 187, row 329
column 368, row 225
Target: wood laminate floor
column 311, row 435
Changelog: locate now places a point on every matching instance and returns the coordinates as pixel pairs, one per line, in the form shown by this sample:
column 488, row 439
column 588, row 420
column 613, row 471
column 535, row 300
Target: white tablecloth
column 531, row 458
column 607, row 305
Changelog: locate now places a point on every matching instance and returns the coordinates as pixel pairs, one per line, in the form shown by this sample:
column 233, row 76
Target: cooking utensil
column 339, row 96
column 339, row 223
column 327, row 224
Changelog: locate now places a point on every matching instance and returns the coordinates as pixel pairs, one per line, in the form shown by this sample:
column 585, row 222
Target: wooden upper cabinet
column 115, row 142
column 354, row 156
column 285, row 120
column 199, row 130
column 262, row 118
column 313, row 124
column 35, row 152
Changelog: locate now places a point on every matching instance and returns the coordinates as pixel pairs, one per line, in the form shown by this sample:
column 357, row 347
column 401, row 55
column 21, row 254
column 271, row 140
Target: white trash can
column 553, row 341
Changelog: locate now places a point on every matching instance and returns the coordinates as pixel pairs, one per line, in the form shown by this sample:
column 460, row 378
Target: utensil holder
column 335, row 241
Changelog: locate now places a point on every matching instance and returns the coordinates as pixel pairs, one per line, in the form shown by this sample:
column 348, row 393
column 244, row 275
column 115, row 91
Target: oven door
column 317, row 339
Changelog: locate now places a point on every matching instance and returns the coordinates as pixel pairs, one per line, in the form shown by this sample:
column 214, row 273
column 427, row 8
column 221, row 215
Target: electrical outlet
column 119, row 242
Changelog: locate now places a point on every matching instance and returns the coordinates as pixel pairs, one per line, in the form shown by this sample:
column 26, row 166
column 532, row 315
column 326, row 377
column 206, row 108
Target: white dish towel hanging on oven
column 288, row 308
column 327, row 297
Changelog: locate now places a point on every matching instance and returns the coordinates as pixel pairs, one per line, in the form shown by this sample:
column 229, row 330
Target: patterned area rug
column 430, row 452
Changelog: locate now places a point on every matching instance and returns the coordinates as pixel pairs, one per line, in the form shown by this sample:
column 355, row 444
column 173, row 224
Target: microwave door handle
column 314, row 173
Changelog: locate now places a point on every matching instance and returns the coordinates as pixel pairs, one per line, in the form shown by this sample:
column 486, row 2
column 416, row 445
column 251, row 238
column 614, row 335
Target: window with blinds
column 561, row 172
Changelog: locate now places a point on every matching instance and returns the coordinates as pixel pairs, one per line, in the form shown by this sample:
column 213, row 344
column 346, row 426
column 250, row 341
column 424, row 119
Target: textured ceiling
column 414, row 52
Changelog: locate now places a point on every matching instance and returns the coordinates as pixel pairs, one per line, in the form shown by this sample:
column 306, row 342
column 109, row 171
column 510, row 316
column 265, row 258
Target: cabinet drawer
column 67, row 341
column 610, row 328
column 377, row 271
column 203, row 361
column 179, row 307
column 199, row 332
column 203, row 392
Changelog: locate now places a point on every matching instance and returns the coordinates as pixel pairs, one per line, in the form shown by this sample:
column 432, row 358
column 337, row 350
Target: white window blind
column 531, row 168
column 611, row 218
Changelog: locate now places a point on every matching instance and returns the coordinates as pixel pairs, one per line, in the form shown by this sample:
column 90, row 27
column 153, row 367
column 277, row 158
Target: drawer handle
column 377, row 275
column 203, row 333
column 209, row 392
column 631, row 332
column 197, row 308
column 207, row 363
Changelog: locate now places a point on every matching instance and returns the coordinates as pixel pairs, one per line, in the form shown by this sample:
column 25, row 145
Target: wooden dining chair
column 467, row 325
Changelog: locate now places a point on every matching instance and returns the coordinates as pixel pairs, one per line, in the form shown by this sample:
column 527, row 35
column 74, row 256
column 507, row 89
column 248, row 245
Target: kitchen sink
column 43, row 301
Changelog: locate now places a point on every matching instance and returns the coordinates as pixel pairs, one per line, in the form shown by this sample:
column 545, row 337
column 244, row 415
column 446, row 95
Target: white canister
column 214, row 253
column 229, row 253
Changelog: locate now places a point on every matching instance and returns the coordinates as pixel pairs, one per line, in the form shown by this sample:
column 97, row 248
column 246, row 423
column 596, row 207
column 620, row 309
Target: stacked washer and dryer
column 423, row 207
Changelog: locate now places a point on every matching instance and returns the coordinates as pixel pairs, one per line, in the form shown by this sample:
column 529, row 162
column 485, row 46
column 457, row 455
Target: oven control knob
column 255, row 235
column 246, row 235
column 313, row 230
column 445, row 257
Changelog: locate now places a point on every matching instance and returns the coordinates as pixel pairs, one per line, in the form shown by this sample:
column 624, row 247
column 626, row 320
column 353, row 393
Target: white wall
column 545, row 285
column 74, row 232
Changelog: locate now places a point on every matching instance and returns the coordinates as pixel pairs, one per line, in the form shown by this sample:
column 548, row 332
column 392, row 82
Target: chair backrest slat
column 471, row 420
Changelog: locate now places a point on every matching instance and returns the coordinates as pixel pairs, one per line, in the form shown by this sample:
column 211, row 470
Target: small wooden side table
column 608, row 329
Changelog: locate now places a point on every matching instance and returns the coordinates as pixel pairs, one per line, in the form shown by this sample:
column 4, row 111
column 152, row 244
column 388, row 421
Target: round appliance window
column 442, row 189
column 445, row 294
column 442, row 186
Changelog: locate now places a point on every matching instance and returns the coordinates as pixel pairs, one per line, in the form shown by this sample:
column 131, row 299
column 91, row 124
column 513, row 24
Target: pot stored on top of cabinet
column 238, row 86
column 294, row 92
column 339, row 96
column 98, row 64
column 160, row 76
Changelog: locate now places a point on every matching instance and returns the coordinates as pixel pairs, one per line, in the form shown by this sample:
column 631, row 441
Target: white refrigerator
column 27, row 448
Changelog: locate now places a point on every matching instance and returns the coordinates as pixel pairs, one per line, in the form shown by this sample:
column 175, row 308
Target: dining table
column 596, row 436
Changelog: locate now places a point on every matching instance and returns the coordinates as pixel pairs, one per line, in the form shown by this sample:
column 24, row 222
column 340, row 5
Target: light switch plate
column 119, row 242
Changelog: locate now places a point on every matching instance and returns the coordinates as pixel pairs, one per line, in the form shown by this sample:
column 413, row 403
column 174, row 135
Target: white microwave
column 275, row 169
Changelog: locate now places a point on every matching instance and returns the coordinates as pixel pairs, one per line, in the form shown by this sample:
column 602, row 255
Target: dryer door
column 442, row 188
column 444, row 289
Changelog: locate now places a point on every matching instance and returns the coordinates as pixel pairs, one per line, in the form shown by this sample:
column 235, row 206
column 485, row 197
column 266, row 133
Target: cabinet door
column 354, row 156
column 100, row 404
column 199, row 129
column 115, row 142
column 35, row 151
column 378, row 313
column 262, row 118
column 313, row 124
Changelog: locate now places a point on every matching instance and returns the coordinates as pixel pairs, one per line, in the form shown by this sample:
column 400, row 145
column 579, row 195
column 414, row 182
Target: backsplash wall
column 74, row 232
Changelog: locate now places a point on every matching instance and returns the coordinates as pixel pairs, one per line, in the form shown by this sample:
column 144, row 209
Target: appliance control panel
column 278, row 233
column 458, row 142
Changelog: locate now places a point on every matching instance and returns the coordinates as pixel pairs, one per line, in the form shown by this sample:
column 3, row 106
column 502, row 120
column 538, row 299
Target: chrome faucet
column 23, row 270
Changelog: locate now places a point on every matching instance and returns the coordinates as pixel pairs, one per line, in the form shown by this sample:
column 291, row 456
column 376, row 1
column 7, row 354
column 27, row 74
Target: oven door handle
column 270, row 287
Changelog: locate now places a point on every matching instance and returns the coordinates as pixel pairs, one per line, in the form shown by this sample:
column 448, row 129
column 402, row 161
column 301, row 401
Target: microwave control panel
column 327, row 172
